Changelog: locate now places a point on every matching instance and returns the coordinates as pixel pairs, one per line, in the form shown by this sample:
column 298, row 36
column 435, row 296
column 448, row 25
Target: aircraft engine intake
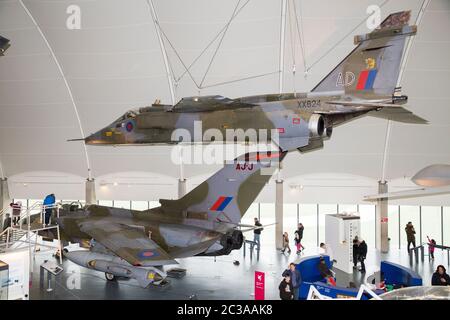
column 316, row 125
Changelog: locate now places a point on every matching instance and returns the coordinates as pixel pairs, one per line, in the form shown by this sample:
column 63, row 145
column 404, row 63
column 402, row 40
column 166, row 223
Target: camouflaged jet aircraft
column 4, row 45
column 205, row 222
column 364, row 83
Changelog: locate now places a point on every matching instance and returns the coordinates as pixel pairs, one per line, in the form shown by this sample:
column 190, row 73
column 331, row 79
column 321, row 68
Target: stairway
column 14, row 235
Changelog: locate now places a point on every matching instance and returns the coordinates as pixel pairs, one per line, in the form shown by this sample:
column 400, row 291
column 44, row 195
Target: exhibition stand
column 394, row 274
column 340, row 230
column 399, row 276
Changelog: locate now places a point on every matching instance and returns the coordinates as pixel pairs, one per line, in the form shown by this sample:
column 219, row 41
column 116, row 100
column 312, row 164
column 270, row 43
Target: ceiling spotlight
column 115, row 184
column 25, row 184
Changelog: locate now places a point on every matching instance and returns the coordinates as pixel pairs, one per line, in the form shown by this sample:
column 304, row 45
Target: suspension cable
column 343, row 38
column 220, row 42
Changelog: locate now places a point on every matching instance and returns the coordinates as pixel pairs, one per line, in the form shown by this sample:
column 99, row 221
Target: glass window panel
column 153, row 204
column 431, row 223
column 367, row 214
column 308, row 216
column 250, row 214
column 323, row 210
column 393, row 231
column 122, row 204
column 446, row 225
column 267, row 217
column 106, row 203
column 139, row 205
column 289, row 218
column 348, row 208
column 409, row 213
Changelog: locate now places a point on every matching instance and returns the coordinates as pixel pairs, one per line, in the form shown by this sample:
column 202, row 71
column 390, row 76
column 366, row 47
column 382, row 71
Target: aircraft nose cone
column 94, row 138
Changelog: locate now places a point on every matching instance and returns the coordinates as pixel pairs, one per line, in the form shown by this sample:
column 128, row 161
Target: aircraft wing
column 398, row 114
column 387, row 111
column 193, row 250
column 422, row 192
column 128, row 243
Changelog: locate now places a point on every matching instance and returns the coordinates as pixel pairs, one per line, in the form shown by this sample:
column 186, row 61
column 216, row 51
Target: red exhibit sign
column 384, row 220
column 259, row 285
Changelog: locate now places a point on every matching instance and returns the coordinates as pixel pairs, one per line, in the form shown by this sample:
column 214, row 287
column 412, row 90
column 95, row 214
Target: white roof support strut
column 69, row 90
column 282, row 42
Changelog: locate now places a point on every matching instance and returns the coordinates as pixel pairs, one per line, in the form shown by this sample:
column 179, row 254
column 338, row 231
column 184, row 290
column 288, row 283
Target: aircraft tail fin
column 373, row 67
column 227, row 194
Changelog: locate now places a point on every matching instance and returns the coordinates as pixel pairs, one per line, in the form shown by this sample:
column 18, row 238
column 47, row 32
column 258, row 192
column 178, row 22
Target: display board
column 340, row 230
column 19, row 273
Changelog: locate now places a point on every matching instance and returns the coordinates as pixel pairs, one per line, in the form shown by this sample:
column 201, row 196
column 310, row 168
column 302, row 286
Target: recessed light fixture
column 115, row 184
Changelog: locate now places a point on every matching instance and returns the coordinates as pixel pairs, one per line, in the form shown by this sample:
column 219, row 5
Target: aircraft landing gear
column 110, row 276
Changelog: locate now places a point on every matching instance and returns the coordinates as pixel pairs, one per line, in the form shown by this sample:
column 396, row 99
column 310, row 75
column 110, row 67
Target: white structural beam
column 2, row 173
column 279, row 214
column 91, row 197
column 4, row 196
column 381, row 220
column 163, row 50
column 282, row 43
column 66, row 83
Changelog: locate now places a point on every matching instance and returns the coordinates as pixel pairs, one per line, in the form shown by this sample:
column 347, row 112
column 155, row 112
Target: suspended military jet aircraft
column 205, row 222
column 433, row 180
column 4, row 45
column 363, row 83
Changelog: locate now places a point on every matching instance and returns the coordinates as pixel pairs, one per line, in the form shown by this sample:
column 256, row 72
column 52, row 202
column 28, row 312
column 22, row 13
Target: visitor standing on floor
column 440, row 277
column 295, row 278
column 299, row 237
column 410, row 234
column 286, row 243
column 355, row 252
column 257, row 232
column 362, row 253
column 49, row 202
column 286, row 289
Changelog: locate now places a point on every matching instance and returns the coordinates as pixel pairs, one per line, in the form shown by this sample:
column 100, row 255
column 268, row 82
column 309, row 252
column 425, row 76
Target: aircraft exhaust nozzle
column 116, row 266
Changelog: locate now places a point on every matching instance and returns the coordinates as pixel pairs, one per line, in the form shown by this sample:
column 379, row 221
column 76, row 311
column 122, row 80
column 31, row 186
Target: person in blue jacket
column 49, row 201
column 294, row 274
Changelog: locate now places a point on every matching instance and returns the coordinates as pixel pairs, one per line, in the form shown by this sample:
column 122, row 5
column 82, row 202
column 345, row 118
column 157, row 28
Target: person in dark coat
column 286, row 289
column 298, row 238
column 410, row 235
column 362, row 253
column 440, row 277
column 355, row 252
column 257, row 232
column 325, row 272
column 295, row 278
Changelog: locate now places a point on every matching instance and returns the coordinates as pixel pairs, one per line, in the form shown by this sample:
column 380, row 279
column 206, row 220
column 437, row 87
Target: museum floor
column 206, row 278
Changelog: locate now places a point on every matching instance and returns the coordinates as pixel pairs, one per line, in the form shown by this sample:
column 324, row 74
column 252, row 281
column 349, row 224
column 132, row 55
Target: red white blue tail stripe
column 366, row 79
column 221, row 203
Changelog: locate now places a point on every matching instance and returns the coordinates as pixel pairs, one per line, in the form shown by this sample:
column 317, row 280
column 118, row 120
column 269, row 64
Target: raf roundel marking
column 147, row 254
column 129, row 126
